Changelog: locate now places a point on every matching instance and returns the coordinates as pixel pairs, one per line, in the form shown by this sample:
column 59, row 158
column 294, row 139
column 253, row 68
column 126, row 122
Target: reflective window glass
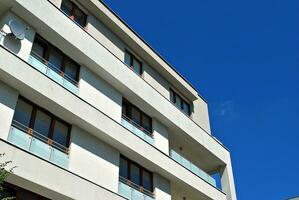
column 66, row 7
column 135, row 174
column 70, row 69
column 23, row 113
column 136, row 66
column 136, row 115
column 186, row 108
column 172, row 96
column 128, row 59
column 55, row 60
column 80, row 17
column 123, row 168
column 178, row 102
column 60, row 133
column 38, row 50
column 146, row 123
column 146, row 180
column 42, row 125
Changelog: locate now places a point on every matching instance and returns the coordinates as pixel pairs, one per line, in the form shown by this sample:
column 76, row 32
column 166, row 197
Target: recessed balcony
column 52, row 72
column 132, row 191
column 137, row 129
column 36, row 143
column 193, row 168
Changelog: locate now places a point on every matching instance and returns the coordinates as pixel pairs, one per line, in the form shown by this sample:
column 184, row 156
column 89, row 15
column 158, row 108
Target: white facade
column 178, row 151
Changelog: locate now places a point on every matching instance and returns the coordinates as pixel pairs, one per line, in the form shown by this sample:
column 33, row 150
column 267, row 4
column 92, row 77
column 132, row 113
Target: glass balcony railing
column 38, row 144
column 137, row 130
column 132, row 191
column 193, row 168
column 52, row 72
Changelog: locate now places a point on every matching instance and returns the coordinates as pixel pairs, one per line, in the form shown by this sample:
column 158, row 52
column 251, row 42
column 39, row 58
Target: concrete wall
column 46, row 179
column 100, row 94
column 107, row 38
column 46, row 89
column 68, row 106
column 96, row 58
column 161, row 136
column 156, row 80
column 201, row 114
column 114, row 44
column 8, row 101
column 227, row 181
column 93, row 159
column 162, row 188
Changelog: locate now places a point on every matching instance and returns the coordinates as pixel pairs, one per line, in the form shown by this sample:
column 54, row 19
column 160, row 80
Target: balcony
column 38, row 144
column 52, row 72
column 137, row 129
column 132, row 191
column 193, row 168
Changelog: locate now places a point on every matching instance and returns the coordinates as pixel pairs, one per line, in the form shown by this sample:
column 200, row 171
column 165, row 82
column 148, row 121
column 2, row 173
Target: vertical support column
column 201, row 114
column 162, row 188
column 161, row 136
column 227, row 181
column 93, row 159
column 8, row 101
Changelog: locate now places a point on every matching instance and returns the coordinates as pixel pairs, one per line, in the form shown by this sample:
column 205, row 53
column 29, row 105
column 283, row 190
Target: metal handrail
column 131, row 121
column 136, row 187
column 53, row 67
column 182, row 157
column 39, row 136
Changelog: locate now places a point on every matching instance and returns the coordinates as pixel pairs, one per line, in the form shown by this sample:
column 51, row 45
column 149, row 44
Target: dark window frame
column 17, row 190
column 132, row 58
column 141, row 170
column 182, row 101
column 73, row 9
column 128, row 114
column 54, row 118
column 48, row 47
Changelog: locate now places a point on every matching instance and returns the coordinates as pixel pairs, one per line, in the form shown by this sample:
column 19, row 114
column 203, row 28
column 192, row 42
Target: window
column 124, row 168
column 55, row 59
column 72, row 10
column 180, row 103
column 20, row 193
column 44, row 125
column 135, row 174
column 70, row 68
column 132, row 62
column 138, row 175
column 39, row 48
column 147, row 180
column 60, row 133
column 23, row 113
column 137, row 116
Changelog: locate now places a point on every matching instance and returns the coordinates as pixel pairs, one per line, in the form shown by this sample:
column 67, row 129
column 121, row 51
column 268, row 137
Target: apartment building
column 88, row 110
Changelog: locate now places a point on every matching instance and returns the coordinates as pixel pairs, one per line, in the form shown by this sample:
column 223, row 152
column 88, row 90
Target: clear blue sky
column 243, row 56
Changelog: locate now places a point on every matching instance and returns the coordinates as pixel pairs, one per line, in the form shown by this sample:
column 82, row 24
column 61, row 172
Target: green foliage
column 4, row 195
